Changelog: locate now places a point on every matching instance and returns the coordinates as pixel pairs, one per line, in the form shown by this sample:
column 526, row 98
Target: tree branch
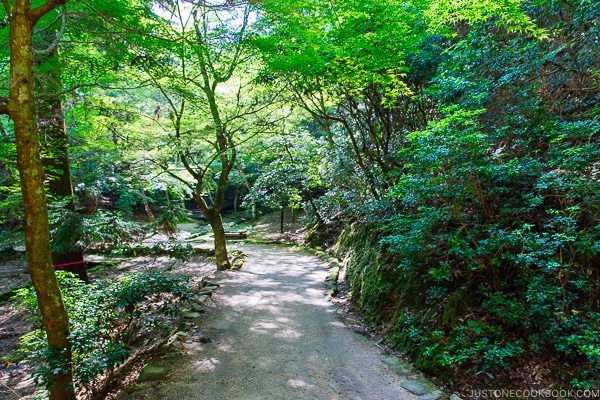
column 188, row 167
column 6, row 8
column 44, row 9
column 59, row 35
column 48, row 26
column 113, row 22
column 238, row 49
column 165, row 170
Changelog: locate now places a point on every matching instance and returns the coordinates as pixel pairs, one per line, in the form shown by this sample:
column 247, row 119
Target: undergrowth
column 108, row 321
column 466, row 331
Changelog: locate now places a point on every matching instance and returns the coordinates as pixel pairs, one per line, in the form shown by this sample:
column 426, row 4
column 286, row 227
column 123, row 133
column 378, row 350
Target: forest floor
column 268, row 331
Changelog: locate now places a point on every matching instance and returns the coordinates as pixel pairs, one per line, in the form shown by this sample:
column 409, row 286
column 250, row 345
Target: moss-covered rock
column 152, row 372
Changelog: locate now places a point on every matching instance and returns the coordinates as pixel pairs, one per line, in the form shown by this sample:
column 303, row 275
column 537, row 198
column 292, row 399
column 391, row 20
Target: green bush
column 107, row 319
column 175, row 249
column 525, row 239
column 73, row 231
column 170, row 215
column 502, row 247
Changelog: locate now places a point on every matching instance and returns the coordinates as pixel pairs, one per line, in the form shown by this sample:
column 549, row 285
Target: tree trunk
column 147, row 206
column 216, row 223
column 249, row 188
column 235, row 201
column 21, row 108
column 315, row 210
column 51, row 125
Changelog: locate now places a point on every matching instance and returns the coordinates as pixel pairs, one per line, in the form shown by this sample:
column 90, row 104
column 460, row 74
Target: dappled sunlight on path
column 275, row 335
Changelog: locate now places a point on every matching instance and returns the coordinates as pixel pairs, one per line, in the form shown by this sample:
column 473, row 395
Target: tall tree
column 346, row 64
column 20, row 106
column 203, row 69
column 53, row 135
column 361, row 68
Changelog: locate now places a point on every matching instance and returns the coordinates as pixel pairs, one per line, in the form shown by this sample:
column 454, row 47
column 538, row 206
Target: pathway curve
column 274, row 335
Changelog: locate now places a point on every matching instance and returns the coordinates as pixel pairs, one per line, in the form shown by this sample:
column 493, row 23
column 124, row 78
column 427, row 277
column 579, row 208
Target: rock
column 191, row 315
column 197, row 307
column 174, row 344
column 204, row 339
column 152, row 373
column 173, row 347
column 398, row 366
column 331, row 282
column 176, row 336
column 455, row 397
column 417, row 386
column 435, row 395
column 237, row 264
column 207, row 290
column 202, row 298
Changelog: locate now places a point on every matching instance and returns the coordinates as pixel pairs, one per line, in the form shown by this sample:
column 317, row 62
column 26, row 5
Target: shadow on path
column 274, row 335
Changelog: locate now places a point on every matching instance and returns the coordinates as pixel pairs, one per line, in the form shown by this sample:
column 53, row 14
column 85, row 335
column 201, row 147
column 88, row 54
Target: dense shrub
column 491, row 217
column 108, row 319
column 521, row 232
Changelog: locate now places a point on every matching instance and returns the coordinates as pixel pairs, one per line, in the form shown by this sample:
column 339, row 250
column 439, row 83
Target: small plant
column 171, row 214
column 173, row 248
column 73, row 231
column 107, row 320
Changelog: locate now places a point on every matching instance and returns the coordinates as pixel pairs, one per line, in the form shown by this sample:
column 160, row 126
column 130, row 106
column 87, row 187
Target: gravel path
column 275, row 335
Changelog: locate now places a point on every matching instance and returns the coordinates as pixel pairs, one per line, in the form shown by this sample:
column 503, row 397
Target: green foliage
column 172, row 214
column 506, row 14
column 174, row 248
column 106, row 318
column 73, row 231
column 531, row 256
column 464, row 144
column 492, row 207
column 278, row 187
column 11, row 213
column 290, row 180
column 355, row 43
column 347, row 65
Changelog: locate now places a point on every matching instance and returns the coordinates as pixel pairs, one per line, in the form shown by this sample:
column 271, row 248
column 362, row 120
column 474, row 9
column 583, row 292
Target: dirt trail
column 274, row 335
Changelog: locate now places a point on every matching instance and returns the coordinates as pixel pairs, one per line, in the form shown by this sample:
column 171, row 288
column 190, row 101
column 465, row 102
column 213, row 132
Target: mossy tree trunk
column 216, row 223
column 21, row 108
column 53, row 133
column 213, row 212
